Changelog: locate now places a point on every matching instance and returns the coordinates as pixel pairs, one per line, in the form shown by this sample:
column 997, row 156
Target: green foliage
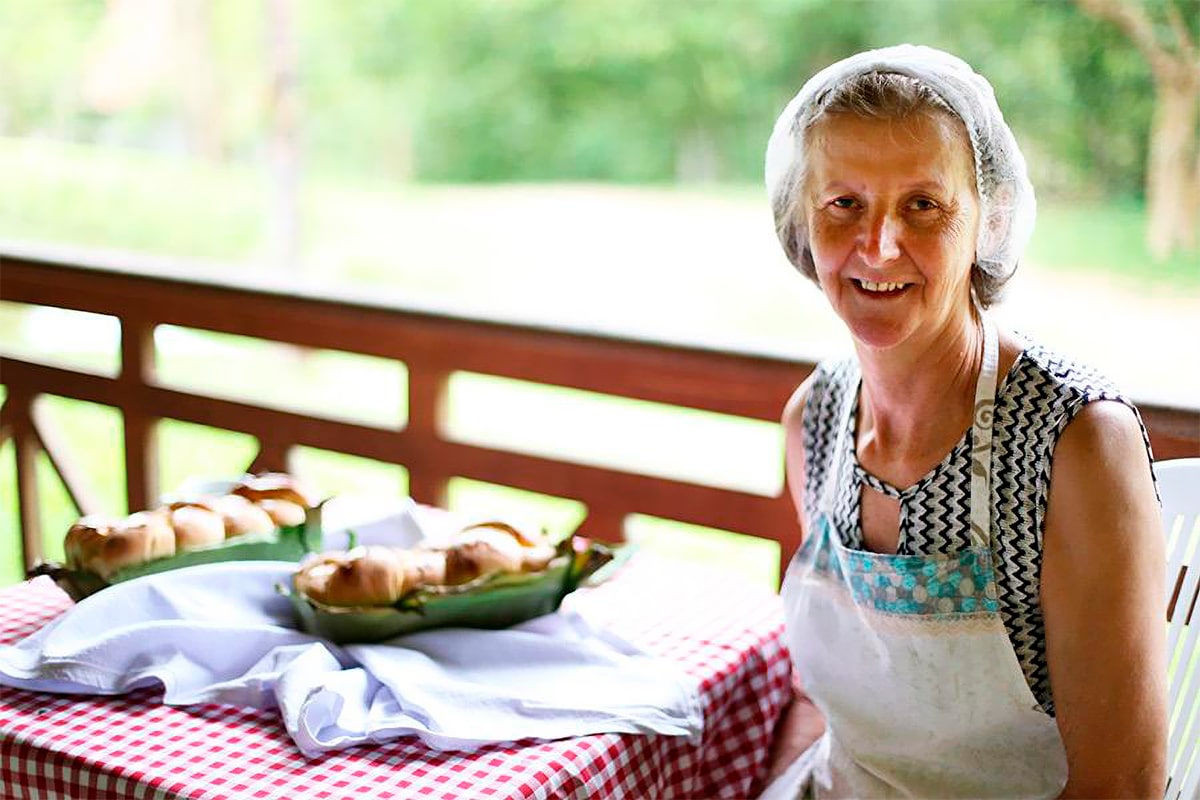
column 40, row 57
column 625, row 90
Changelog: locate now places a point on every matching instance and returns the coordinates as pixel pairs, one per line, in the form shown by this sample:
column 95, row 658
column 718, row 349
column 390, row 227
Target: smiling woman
column 960, row 488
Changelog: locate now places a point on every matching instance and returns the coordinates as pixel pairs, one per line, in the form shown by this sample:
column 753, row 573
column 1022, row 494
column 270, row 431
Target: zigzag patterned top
column 1040, row 395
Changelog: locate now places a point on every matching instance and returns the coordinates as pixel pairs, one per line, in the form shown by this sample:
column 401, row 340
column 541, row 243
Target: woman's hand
column 798, row 727
column 1104, row 604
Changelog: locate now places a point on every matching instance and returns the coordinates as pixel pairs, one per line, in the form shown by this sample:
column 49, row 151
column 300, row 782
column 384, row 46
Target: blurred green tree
column 1162, row 34
column 625, row 90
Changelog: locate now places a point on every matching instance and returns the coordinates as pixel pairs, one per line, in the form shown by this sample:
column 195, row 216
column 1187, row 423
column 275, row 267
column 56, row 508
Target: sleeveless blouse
column 1035, row 401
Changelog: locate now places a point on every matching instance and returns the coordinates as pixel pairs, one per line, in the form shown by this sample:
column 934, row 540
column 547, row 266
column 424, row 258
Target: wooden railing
column 432, row 346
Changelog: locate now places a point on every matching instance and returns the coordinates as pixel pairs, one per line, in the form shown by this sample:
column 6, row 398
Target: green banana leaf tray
column 289, row 543
column 490, row 602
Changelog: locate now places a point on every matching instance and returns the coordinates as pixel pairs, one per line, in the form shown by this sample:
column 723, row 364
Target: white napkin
column 219, row 633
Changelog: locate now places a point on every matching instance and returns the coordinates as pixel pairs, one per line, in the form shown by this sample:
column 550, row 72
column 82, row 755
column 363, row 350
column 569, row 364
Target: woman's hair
column 898, row 83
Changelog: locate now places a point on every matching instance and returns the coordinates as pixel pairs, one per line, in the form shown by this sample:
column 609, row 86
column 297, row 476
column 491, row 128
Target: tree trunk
column 283, row 145
column 1192, row 237
column 196, row 77
column 1171, row 183
column 1173, row 172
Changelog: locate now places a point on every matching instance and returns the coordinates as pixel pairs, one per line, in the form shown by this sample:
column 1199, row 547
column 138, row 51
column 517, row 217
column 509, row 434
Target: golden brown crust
column 85, row 538
column 275, row 486
column 196, row 526
column 381, row 575
column 365, row 576
column 523, row 538
column 241, row 516
column 206, row 503
column 106, row 546
column 283, row 513
column 482, row 551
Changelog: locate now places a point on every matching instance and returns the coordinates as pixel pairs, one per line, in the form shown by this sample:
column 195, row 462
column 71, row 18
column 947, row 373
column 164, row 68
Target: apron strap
column 981, row 436
column 833, row 477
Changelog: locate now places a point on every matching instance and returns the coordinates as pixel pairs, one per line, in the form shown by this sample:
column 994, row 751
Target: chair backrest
column 1179, row 487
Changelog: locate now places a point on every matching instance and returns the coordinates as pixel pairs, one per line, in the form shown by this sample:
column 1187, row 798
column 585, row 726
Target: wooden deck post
column 141, row 428
column 16, row 417
column 427, row 389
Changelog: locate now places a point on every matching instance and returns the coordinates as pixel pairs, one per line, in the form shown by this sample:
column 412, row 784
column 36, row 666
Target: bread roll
column 424, row 568
column 364, row 576
column 104, row 546
column 482, row 552
column 494, row 547
column 283, row 513
column 196, row 526
column 241, row 516
column 275, row 486
column 199, row 502
column 380, row 576
column 86, row 537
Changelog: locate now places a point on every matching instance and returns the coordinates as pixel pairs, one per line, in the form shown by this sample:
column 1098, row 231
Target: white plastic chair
column 1179, row 486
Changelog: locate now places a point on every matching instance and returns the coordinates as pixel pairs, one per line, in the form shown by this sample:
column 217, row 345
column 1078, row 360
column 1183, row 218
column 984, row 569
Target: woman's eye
column 923, row 204
column 843, row 202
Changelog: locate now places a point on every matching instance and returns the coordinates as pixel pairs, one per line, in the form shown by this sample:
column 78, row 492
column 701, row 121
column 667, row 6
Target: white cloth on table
column 220, row 633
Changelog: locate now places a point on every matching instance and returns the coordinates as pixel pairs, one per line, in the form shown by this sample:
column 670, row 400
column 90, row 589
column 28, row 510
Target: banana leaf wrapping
column 491, row 601
column 288, row 543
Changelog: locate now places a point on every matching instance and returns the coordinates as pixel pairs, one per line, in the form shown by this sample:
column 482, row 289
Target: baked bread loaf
column 196, row 525
column 105, row 545
column 275, row 486
column 364, row 576
column 492, row 547
column 283, row 513
column 257, row 505
column 241, row 516
column 381, row 576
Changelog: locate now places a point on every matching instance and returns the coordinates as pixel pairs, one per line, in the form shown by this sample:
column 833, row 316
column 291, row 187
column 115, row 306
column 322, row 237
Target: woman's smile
column 880, row 289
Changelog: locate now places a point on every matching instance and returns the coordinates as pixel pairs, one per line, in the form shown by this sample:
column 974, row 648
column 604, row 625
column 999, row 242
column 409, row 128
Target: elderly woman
column 977, row 609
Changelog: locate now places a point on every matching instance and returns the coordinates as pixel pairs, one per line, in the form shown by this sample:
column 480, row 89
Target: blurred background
column 588, row 164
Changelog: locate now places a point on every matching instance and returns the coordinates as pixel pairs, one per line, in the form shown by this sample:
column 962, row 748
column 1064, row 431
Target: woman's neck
column 917, row 398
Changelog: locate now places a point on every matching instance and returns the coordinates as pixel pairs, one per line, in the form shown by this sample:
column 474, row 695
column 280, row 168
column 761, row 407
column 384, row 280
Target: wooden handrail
column 433, row 344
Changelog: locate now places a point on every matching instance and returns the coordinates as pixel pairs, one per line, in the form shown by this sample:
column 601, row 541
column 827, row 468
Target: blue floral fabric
column 931, row 585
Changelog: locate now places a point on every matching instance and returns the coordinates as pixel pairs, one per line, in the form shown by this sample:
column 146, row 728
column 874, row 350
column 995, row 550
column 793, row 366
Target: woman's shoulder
column 1047, row 377
column 821, row 391
column 1047, row 393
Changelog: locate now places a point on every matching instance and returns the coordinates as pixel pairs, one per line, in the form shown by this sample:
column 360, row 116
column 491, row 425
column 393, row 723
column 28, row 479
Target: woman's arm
column 793, row 448
column 801, row 723
column 1103, row 600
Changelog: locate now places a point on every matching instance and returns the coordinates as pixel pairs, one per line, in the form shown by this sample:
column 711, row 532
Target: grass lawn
column 569, row 255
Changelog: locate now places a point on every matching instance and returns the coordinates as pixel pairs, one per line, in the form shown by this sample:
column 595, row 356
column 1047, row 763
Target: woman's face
column 892, row 219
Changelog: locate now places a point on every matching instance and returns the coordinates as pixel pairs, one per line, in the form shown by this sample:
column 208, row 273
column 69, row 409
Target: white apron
column 909, row 661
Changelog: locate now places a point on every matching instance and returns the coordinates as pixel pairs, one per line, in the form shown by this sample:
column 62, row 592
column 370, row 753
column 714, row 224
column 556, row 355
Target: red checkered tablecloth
column 727, row 636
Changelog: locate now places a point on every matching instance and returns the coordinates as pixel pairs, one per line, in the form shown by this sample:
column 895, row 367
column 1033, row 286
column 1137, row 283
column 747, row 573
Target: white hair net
column 1006, row 197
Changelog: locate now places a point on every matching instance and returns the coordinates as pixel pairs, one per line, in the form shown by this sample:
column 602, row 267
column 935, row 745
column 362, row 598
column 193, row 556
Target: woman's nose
column 880, row 243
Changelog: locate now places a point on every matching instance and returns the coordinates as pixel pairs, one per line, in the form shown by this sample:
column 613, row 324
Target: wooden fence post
column 141, row 441
column 427, row 389
column 17, row 418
